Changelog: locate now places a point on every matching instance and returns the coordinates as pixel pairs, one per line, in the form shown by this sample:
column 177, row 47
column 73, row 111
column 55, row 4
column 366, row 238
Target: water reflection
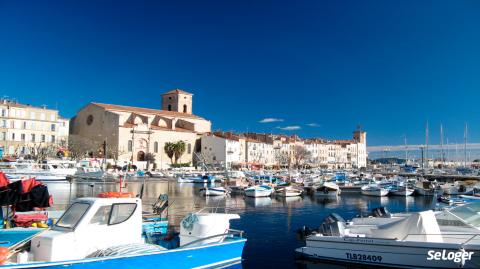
column 269, row 223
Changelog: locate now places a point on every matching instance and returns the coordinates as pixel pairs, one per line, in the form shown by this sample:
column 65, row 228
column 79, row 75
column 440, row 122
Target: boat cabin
column 88, row 225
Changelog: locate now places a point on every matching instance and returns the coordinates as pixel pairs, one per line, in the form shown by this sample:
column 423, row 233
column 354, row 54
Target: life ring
column 113, row 194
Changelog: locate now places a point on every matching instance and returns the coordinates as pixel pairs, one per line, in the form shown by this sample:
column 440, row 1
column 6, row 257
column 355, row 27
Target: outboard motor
column 333, row 225
column 381, row 212
column 462, row 188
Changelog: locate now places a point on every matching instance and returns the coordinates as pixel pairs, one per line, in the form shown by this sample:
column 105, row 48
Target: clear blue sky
column 387, row 65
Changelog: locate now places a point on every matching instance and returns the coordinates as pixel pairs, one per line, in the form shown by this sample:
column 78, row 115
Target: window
column 32, row 115
column 3, row 136
column 52, row 117
column 52, row 127
column 121, row 213
column 73, row 215
column 4, row 112
column 101, row 216
column 155, row 147
column 130, row 145
column 184, row 108
column 13, row 136
column 53, row 139
column 189, row 148
column 4, row 124
column 33, row 137
column 169, row 107
column 22, row 137
column 89, row 119
column 43, row 138
column 42, row 116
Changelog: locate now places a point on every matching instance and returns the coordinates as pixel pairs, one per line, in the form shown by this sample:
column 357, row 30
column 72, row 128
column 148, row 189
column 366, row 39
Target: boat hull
column 383, row 253
column 209, row 256
column 378, row 193
column 258, row 193
column 402, row 192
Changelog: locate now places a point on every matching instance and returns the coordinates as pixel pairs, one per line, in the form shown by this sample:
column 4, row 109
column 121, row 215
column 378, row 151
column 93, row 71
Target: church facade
column 130, row 133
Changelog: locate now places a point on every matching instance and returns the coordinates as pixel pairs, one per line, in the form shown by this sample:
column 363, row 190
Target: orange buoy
column 4, row 253
column 113, row 194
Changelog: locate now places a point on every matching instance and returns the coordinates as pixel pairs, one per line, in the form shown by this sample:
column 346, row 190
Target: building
column 130, row 133
column 268, row 150
column 223, row 149
column 24, row 129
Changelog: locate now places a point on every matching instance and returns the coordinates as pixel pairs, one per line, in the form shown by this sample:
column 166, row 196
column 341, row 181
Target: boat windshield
column 73, row 215
column 468, row 213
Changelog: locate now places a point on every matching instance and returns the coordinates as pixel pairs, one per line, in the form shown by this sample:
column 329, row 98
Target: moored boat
column 258, row 191
column 107, row 233
column 288, row 191
column 329, row 189
column 444, row 239
column 215, row 191
column 374, row 190
column 401, row 191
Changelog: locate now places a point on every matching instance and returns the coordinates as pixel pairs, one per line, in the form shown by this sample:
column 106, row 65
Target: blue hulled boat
column 109, row 233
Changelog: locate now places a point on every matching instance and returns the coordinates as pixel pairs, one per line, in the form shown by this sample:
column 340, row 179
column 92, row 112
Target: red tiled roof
column 141, row 110
column 177, row 91
column 154, row 127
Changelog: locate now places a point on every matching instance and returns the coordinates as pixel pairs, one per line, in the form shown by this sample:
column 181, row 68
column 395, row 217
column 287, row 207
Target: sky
column 312, row 68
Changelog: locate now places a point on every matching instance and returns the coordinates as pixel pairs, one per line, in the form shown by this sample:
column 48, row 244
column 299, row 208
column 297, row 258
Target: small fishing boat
column 443, row 239
column 456, row 189
column 107, row 233
column 374, row 190
column 401, row 190
column 204, row 179
column 216, row 191
column 328, row 189
column 451, row 201
column 258, row 191
column 428, row 188
column 288, row 191
column 237, row 189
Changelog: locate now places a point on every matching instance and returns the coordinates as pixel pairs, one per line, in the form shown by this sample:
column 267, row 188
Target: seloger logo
column 456, row 256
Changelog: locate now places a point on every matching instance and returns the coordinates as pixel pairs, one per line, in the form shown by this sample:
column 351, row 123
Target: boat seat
column 421, row 226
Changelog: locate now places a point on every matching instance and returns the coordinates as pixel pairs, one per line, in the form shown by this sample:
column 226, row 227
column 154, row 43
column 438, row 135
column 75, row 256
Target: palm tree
column 169, row 149
column 180, row 147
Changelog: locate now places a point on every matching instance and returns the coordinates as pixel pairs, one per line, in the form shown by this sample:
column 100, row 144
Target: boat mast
column 426, row 143
column 441, row 145
column 406, row 150
column 465, row 146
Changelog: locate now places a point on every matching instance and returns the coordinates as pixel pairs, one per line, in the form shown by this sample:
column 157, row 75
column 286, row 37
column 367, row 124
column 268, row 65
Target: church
column 130, row 133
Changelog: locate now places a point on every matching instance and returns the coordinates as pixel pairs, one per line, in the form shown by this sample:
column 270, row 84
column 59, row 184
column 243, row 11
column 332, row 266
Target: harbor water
column 270, row 224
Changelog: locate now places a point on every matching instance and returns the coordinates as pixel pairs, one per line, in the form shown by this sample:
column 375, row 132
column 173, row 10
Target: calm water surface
column 270, row 223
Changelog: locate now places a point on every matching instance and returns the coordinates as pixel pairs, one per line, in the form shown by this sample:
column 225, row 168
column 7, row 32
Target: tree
column 300, row 154
column 150, row 158
column 79, row 147
column 169, row 149
column 180, row 148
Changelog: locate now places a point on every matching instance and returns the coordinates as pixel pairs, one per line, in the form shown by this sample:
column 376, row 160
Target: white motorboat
column 216, row 191
column 445, row 239
column 401, row 191
column 258, row 191
column 456, row 189
column 329, row 189
column 288, row 191
column 374, row 190
column 46, row 171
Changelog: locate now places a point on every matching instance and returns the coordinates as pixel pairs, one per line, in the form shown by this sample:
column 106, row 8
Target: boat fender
column 189, row 221
column 113, row 194
column 4, row 255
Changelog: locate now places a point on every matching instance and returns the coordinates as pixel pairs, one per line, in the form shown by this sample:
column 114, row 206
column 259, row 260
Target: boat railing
column 449, row 235
column 231, row 233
